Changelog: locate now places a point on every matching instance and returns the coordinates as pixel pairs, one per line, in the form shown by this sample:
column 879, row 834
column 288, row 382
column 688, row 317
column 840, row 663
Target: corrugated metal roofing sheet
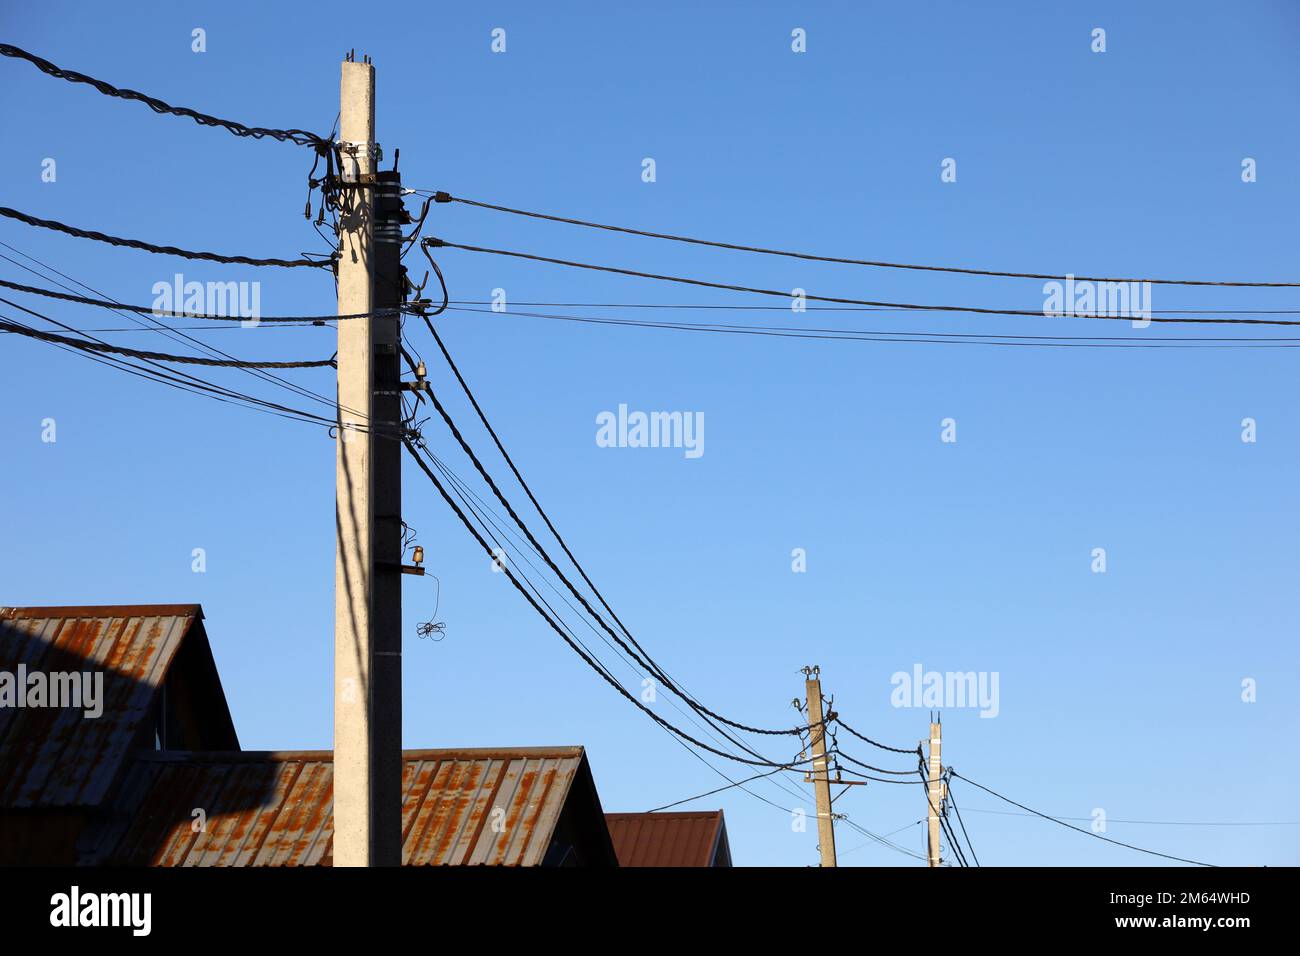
column 57, row 757
column 667, row 839
column 459, row 807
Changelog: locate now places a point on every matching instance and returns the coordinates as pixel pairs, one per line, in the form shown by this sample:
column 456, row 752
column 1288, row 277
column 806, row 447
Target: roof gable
column 58, row 757
column 687, row 838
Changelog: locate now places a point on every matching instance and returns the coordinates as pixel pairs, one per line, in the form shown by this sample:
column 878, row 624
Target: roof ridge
column 250, row 756
column 101, row 610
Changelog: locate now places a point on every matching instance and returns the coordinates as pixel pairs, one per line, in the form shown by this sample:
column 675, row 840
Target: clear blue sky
column 1120, row 691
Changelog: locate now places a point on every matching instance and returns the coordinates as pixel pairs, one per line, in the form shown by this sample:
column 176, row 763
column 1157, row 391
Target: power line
column 732, row 307
column 197, row 386
column 186, row 381
column 166, row 314
column 484, row 514
column 586, row 658
column 875, row 743
column 173, row 334
column 952, row 839
column 142, row 354
column 882, row 839
column 181, row 328
column 155, row 249
column 299, row 136
column 911, row 337
column 867, row 776
column 496, row 532
column 939, row 812
column 738, row 784
column 447, row 197
column 878, row 838
column 709, row 793
column 1039, row 314
column 1151, row 823
column 867, row 766
column 957, row 810
column 1071, row 826
column 646, row 661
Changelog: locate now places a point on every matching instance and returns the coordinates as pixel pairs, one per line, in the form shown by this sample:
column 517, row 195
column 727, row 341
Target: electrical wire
column 166, row 314
column 176, row 377
column 587, row 659
column 444, row 197
column 1070, row 826
column 299, row 136
column 90, row 346
column 150, row 321
column 155, row 249
column 646, row 662
column 952, row 840
column 939, row 813
column 1151, row 823
column 875, row 743
column 1038, row 314
column 188, row 383
column 878, row 838
column 709, row 793
column 655, row 670
column 707, row 729
column 498, row 531
column 180, row 328
column 957, row 810
column 866, row 766
column 732, row 307
column 911, row 337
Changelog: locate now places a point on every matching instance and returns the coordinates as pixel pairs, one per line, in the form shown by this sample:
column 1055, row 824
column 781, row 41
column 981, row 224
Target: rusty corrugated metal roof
column 459, row 807
column 692, row 838
column 56, row 757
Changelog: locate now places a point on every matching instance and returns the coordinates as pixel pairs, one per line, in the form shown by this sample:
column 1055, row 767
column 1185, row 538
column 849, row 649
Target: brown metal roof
column 696, row 838
column 51, row 757
column 459, row 807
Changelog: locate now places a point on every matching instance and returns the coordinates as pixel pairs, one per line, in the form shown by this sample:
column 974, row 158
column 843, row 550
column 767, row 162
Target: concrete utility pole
column 821, row 776
column 367, row 578
column 934, row 790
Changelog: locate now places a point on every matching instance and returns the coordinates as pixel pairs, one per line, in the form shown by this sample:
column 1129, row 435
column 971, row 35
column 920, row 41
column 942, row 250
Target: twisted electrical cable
column 301, row 137
column 144, row 354
column 156, row 249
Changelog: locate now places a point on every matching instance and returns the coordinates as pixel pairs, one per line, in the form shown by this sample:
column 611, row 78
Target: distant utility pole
column 368, row 555
column 934, row 790
column 821, row 776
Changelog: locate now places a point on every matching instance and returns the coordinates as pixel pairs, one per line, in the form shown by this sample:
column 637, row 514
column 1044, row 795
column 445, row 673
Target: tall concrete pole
column 821, row 775
column 367, row 810
column 934, row 791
